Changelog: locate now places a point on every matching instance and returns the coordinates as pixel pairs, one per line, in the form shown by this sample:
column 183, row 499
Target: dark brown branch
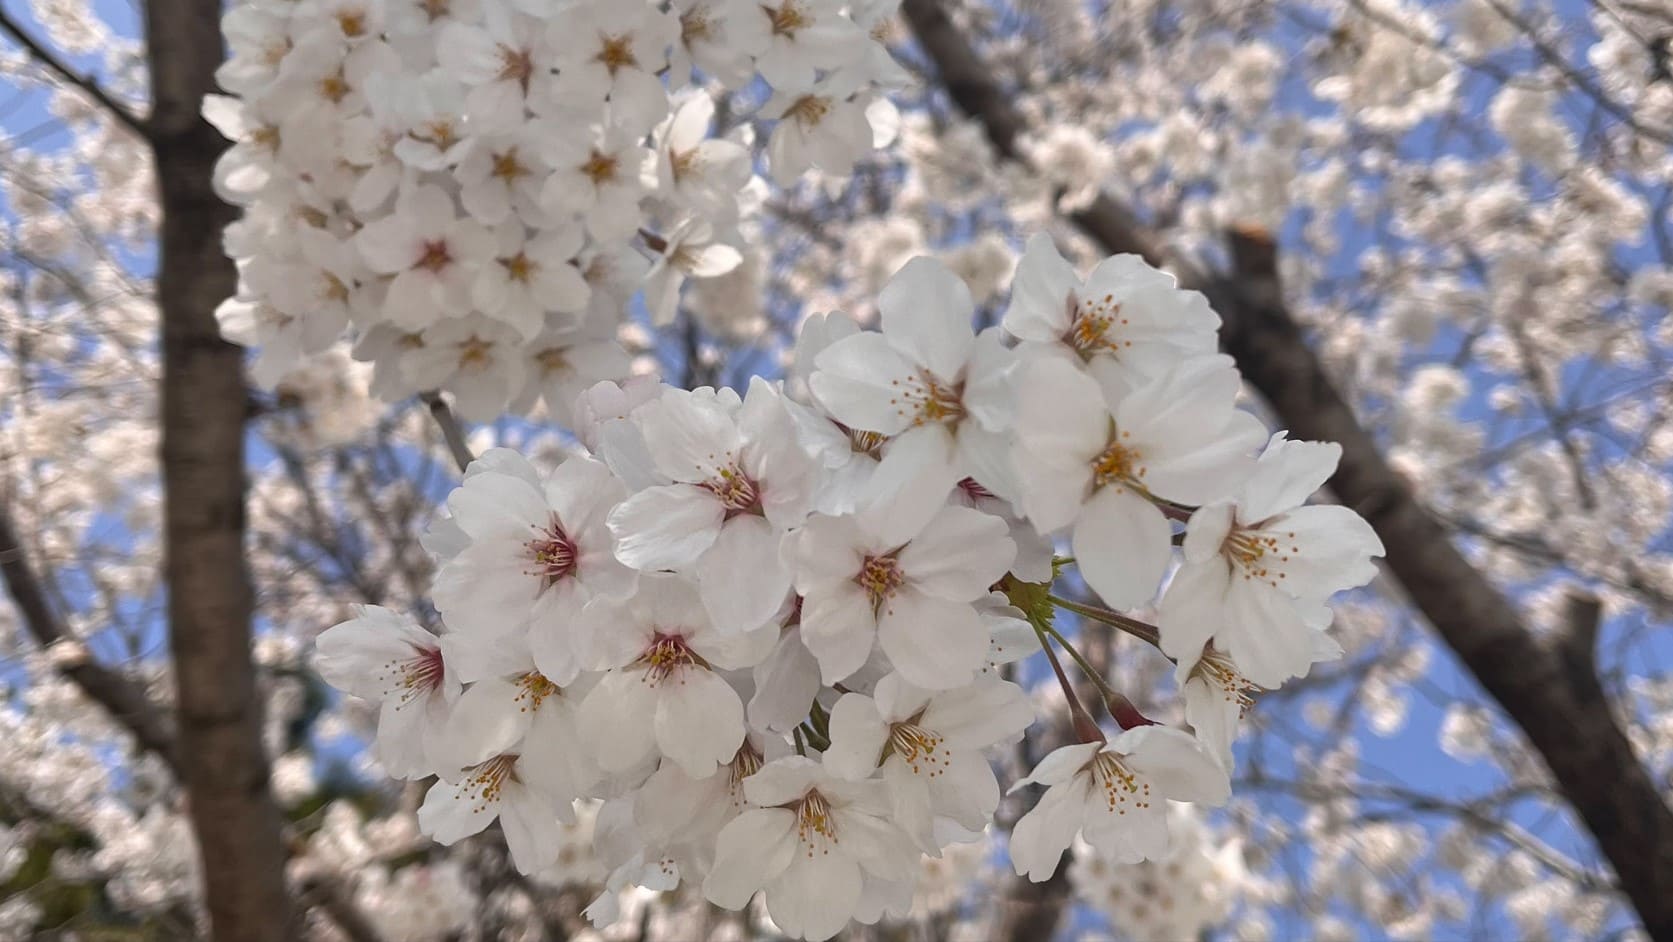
column 451, row 431
column 329, row 897
column 224, row 768
column 53, row 63
column 124, row 700
column 1564, row 715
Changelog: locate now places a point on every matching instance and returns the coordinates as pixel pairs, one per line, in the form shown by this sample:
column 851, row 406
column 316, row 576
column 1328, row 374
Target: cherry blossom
column 808, row 845
column 535, row 552
column 740, row 482
column 928, row 382
column 912, row 597
column 929, row 747
column 1116, row 794
column 1099, row 464
column 1258, row 568
column 663, row 694
column 388, row 659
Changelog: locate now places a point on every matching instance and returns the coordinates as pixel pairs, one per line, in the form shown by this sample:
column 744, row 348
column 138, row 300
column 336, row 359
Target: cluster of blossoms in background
column 768, row 631
column 479, row 187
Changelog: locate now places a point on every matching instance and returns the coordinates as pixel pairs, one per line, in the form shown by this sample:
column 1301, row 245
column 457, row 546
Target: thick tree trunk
column 1549, row 690
column 224, row 769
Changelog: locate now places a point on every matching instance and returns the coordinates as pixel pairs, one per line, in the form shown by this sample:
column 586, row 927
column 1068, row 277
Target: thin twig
column 1142, row 630
column 451, row 431
column 58, row 66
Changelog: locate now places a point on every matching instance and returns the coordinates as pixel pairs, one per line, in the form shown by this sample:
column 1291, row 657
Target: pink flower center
column 974, row 490
column 413, row 677
column 552, row 553
column 435, row 256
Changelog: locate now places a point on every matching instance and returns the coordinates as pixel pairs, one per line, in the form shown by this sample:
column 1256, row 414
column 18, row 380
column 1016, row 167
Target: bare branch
column 1565, row 717
column 124, row 700
column 53, row 63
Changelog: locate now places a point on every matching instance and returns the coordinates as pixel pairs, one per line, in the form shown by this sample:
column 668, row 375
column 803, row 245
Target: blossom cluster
column 768, row 630
column 479, row 187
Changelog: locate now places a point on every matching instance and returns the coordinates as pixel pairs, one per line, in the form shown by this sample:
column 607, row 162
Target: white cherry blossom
column 1127, row 322
column 913, row 596
column 808, row 845
column 929, row 748
column 1100, row 465
column 537, row 551
column 1116, row 795
column 739, row 483
column 1259, row 567
column 433, row 253
column 926, row 380
column 388, row 659
column 662, row 695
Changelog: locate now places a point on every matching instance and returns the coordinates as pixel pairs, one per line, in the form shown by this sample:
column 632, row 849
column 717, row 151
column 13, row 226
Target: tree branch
column 125, row 701
column 88, row 85
column 224, row 768
column 1564, row 716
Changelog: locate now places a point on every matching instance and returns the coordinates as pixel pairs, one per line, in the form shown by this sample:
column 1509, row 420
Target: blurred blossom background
column 1438, row 231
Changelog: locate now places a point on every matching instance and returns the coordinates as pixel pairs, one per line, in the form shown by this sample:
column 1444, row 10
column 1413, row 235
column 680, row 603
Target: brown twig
column 451, row 431
column 59, row 67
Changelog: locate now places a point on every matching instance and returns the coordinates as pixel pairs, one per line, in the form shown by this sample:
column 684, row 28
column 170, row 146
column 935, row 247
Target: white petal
column 617, row 721
column 1040, row 292
column 934, row 643
column 1122, row 545
column 854, row 380
column 753, row 849
column 743, row 577
column 910, row 484
column 1175, row 763
column 816, row 896
column 926, row 314
column 838, row 627
column 1045, row 832
column 699, row 720
column 666, row 527
column 980, row 715
column 484, row 722
column 857, row 737
column 1059, row 765
column 1194, row 608
column 491, row 503
column 959, row 554
column 785, row 685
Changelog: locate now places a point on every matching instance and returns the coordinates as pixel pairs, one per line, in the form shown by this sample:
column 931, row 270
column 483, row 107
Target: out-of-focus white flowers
column 418, row 176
